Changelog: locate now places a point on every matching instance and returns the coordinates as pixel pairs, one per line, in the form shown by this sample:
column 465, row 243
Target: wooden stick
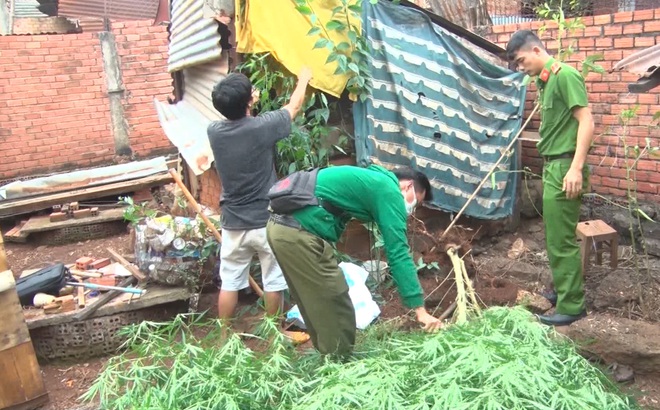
column 84, row 274
column 4, row 265
column 198, row 209
column 448, row 311
column 102, row 300
column 134, row 270
column 81, row 297
column 483, row 181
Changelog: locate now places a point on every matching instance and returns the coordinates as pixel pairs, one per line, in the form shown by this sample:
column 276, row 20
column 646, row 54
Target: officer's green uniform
column 308, row 262
column 562, row 90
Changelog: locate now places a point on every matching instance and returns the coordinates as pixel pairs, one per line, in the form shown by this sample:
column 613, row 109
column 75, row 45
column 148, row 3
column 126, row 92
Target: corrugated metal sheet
column 643, row 63
column 199, row 81
column 186, row 127
column 185, row 122
column 193, row 39
column 91, row 24
column 83, row 178
column 27, row 8
column 113, row 9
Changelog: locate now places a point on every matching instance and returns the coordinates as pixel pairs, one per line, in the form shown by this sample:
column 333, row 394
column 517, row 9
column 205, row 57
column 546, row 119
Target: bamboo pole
column 497, row 164
column 198, row 209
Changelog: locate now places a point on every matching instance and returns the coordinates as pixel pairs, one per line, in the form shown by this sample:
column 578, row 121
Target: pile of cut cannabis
column 503, row 360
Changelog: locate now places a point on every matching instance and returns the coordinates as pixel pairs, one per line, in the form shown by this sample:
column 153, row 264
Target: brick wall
column 44, row 25
column 615, row 36
column 54, row 114
column 210, row 189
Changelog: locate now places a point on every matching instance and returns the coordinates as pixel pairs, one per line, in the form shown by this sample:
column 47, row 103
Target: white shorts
column 236, row 252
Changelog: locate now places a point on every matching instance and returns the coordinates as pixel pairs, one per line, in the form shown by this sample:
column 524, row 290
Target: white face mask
column 410, row 207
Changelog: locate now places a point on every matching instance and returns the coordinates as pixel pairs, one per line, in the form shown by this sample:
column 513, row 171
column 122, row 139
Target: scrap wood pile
column 502, row 360
column 82, row 286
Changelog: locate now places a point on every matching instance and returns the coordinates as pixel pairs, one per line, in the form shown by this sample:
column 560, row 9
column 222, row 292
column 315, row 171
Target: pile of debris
column 78, row 205
column 61, row 288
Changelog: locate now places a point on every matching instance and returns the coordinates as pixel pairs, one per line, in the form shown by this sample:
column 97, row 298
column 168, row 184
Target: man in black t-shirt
column 243, row 149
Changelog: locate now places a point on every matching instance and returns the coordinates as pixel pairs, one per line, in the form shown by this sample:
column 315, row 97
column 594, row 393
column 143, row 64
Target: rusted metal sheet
column 84, row 178
column 186, row 127
column 643, row 63
column 194, row 38
column 91, row 24
column 112, row 9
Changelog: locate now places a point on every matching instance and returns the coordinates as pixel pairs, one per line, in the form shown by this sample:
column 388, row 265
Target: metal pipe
column 107, row 287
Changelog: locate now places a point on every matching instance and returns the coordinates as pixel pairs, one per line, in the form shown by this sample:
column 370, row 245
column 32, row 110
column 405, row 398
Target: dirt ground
column 498, row 278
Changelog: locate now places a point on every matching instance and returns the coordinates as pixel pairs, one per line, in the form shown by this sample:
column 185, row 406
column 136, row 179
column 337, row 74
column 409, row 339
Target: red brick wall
column 54, row 114
column 616, row 36
column 143, row 50
column 210, row 189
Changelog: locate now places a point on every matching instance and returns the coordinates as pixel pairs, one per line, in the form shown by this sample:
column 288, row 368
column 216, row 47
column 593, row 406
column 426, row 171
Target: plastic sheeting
column 439, row 108
column 83, row 178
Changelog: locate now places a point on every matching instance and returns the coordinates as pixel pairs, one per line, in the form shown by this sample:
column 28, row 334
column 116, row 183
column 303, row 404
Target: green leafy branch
column 308, row 145
column 353, row 52
column 555, row 10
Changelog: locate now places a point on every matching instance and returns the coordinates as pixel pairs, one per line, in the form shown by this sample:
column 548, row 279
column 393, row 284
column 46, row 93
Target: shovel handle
column 209, row 225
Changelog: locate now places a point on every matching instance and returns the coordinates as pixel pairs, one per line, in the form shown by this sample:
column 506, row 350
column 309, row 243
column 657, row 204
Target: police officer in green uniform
column 566, row 133
column 301, row 243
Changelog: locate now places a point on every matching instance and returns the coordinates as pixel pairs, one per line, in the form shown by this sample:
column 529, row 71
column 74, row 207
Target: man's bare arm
column 298, row 97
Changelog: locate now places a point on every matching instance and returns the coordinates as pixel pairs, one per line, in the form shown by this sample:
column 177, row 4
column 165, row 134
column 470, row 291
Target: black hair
column 521, row 39
column 232, row 95
column 420, row 181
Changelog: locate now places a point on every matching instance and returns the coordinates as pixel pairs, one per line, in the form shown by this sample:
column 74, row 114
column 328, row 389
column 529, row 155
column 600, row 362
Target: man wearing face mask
column 301, row 244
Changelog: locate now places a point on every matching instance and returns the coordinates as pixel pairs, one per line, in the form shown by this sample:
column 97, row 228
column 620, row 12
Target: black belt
column 548, row 158
column 286, row 220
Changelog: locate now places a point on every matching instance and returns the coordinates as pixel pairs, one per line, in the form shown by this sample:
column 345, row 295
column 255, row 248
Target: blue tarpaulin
column 439, row 108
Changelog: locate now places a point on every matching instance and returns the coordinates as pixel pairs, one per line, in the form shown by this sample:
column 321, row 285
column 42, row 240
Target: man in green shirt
column 301, row 243
column 566, row 132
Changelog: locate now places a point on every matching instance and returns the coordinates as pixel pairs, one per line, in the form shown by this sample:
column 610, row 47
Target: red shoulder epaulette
column 545, row 74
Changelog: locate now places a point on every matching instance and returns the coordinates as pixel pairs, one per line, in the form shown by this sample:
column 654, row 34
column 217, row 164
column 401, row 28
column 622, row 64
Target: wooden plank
column 43, row 223
column 131, row 268
column 37, row 203
column 16, row 235
column 155, row 295
column 13, row 330
column 21, row 378
column 4, row 264
column 532, row 136
column 21, row 375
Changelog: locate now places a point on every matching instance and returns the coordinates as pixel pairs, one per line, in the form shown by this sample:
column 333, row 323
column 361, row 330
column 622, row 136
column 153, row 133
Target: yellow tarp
column 276, row 26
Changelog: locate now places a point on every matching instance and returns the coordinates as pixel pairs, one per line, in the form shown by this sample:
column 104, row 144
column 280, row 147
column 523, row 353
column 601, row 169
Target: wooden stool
column 592, row 235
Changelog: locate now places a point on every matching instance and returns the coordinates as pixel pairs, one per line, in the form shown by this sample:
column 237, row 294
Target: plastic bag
column 366, row 310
